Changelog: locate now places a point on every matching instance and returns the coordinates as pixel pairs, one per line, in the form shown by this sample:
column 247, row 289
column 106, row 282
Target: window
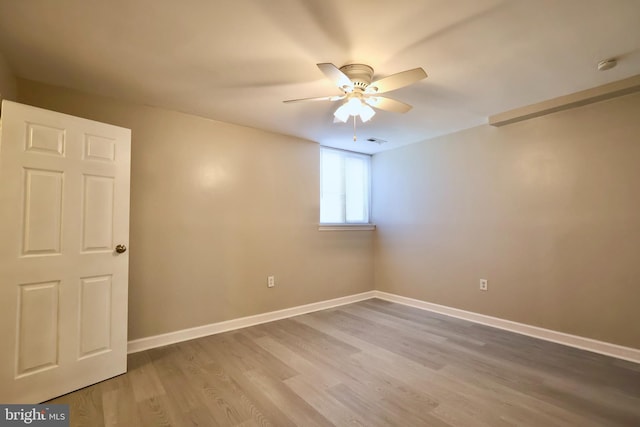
column 344, row 187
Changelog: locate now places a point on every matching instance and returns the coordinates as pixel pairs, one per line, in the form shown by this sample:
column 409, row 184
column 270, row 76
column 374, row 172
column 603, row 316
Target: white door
column 64, row 206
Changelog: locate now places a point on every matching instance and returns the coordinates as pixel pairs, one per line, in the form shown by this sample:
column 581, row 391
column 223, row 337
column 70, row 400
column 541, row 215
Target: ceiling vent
column 377, row 140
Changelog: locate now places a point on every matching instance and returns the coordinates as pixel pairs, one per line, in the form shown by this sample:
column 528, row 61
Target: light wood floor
column 372, row 363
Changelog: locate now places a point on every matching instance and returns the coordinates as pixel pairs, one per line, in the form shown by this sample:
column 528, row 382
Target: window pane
column 332, row 187
column 355, row 186
column 331, row 209
column 332, row 173
column 344, row 187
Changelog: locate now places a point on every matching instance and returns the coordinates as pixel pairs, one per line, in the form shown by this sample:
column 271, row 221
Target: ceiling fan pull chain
column 354, row 129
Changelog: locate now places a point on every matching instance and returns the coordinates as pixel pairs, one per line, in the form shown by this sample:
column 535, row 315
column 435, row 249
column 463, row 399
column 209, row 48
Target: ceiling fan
column 360, row 93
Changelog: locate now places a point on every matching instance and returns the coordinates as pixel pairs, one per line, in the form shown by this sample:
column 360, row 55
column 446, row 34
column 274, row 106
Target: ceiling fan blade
column 334, row 74
column 321, row 98
column 396, row 81
column 388, row 104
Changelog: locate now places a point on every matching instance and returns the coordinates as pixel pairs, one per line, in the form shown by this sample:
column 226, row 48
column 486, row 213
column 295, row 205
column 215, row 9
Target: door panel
column 37, row 327
column 45, row 139
column 64, row 205
column 97, row 217
column 99, row 148
column 42, row 224
column 95, row 315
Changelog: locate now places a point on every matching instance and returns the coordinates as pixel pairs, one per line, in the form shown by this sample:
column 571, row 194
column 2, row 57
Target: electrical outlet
column 484, row 285
column 271, row 281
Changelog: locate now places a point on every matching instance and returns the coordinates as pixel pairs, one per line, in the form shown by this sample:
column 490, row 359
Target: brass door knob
column 121, row 249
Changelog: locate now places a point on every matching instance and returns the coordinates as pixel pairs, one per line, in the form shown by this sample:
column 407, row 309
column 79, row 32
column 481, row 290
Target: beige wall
column 215, row 209
column 548, row 210
column 7, row 81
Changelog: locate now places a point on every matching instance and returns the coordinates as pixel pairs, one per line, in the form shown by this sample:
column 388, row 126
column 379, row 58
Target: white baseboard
column 147, row 343
column 613, row 350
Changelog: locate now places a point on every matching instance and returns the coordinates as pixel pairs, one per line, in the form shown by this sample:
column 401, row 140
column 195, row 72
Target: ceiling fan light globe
column 366, row 113
column 342, row 113
column 354, row 106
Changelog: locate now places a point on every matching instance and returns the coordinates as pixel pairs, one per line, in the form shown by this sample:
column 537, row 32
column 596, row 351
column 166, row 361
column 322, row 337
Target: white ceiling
column 237, row 60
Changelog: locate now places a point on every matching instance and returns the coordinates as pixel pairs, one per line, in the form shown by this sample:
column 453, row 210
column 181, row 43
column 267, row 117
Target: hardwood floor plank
column 298, row 410
column 596, row 409
column 216, row 390
column 359, row 377
column 507, row 403
column 439, row 321
column 381, row 412
column 257, row 403
column 87, row 404
column 261, row 357
column 324, row 403
column 143, row 377
column 118, row 404
column 385, row 337
column 157, row 412
column 248, row 423
column 297, row 362
column 379, row 318
column 319, row 340
column 110, row 408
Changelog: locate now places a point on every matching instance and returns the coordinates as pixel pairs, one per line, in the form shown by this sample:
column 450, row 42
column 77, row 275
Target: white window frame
column 343, row 226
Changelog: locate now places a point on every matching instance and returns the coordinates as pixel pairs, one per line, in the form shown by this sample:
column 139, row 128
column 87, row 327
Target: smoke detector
column 607, row 64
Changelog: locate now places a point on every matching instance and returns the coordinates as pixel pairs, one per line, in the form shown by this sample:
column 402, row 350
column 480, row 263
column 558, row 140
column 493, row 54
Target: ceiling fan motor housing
column 359, row 74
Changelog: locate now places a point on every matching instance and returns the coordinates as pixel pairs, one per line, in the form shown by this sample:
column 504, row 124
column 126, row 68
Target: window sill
column 346, row 227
